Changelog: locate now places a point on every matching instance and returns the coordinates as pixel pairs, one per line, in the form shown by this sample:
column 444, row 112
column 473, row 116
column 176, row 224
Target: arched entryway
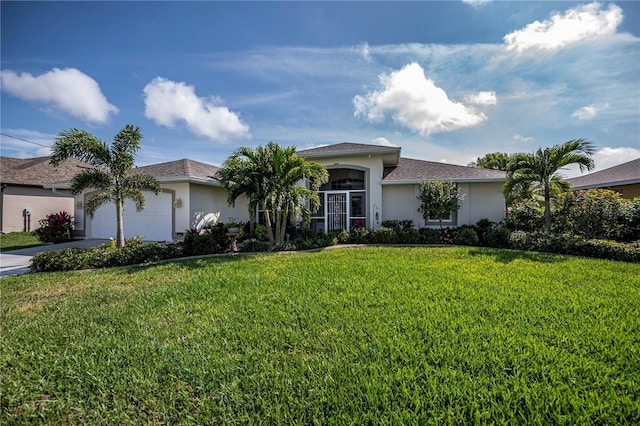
column 343, row 201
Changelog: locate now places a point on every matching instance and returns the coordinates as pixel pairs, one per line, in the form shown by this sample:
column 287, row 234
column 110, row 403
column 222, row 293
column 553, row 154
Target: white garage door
column 154, row 223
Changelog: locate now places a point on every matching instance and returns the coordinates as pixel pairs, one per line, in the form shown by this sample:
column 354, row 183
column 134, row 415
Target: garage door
column 154, row 223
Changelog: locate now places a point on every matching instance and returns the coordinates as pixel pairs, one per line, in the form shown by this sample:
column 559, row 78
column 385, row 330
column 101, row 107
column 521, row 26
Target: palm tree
column 270, row 176
column 111, row 173
column 541, row 169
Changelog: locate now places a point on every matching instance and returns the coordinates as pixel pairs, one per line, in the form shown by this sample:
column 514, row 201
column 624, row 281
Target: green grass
column 348, row 336
column 18, row 240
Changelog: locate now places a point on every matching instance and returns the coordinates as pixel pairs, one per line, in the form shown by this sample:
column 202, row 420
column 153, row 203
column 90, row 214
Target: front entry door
column 336, row 211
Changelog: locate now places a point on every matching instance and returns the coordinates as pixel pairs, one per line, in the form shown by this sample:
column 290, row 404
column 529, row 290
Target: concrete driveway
column 17, row 262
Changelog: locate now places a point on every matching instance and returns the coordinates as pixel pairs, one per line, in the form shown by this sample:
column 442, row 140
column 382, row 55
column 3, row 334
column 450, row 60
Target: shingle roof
column 622, row 174
column 184, row 168
column 38, row 171
column 346, row 147
column 416, row 170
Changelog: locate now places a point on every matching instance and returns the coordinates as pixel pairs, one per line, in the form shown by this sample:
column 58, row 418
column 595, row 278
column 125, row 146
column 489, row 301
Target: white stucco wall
column 481, row 200
column 206, row 201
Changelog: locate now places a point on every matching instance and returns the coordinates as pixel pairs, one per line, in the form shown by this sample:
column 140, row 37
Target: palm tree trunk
column 119, row 223
column 267, row 218
column 547, row 207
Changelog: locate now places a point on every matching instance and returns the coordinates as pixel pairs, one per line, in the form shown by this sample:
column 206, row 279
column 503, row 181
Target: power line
column 24, row 140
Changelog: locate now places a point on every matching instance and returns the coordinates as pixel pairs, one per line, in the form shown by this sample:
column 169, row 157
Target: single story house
column 623, row 178
column 371, row 183
column 24, row 200
column 367, row 185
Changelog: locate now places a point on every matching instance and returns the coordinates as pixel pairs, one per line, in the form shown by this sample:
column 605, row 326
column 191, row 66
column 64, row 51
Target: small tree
column 438, row 199
column 111, row 174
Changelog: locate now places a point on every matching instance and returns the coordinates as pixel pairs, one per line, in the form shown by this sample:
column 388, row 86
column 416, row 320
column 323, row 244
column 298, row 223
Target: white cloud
column 68, row 90
column 23, row 143
column 168, row 102
column 481, row 98
column 581, row 23
column 476, row 3
column 383, row 141
column 364, row 51
column 416, row 102
column 588, row 112
column 522, row 139
column 605, row 158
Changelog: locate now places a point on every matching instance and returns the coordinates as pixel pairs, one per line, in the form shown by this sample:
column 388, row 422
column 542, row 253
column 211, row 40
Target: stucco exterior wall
column 40, row 201
column 206, row 201
column 481, row 200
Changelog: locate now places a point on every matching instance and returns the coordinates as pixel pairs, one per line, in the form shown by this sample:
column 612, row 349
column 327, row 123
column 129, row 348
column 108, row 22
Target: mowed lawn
column 371, row 335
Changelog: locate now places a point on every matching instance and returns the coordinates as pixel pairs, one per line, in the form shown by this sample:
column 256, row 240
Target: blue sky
column 446, row 81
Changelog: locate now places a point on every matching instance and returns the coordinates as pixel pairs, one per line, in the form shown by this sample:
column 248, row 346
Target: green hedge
column 575, row 245
column 103, row 256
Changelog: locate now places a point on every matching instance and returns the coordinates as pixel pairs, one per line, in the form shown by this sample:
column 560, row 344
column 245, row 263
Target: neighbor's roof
column 38, row 171
column 623, row 174
column 179, row 170
column 409, row 170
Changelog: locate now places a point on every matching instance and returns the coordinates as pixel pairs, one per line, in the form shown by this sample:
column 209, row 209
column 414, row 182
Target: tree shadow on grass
column 508, row 256
column 193, row 262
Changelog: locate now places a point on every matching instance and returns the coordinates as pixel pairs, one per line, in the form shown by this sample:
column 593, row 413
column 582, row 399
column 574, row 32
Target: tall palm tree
column 111, row 173
column 541, row 168
column 270, row 176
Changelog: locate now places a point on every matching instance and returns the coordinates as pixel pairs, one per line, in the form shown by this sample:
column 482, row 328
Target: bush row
column 572, row 244
column 103, row 256
column 592, row 214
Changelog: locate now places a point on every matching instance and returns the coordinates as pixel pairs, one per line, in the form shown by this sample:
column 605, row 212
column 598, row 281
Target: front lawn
column 395, row 335
column 18, row 240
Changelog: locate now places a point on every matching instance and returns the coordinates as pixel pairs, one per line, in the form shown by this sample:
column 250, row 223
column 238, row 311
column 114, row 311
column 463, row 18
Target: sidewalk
column 17, row 262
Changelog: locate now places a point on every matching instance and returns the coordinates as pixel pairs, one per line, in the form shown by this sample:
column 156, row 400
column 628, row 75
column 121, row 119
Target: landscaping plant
column 55, row 228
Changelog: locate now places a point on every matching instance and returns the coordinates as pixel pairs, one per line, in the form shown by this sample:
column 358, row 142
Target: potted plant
column 233, row 226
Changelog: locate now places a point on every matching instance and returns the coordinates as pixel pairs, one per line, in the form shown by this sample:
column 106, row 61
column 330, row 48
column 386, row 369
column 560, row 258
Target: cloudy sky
column 446, row 81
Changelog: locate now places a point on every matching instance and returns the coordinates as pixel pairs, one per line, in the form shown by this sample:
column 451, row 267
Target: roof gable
column 390, row 154
column 184, row 168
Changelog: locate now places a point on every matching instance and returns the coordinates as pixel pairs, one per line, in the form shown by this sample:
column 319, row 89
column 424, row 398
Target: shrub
column 397, row 225
column 55, row 228
column 466, row 237
column 256, row 245
column 482, row 228
column 575, row 245
column 359, row 235
column 448, row 235
column 212, row 239
column 498, row 237
column 429, row 236
column 341, row 235
column 382, row 236
column 409, row 236
column 260, row 233
column 106, row 255
column 594, row 213
column 525, row 216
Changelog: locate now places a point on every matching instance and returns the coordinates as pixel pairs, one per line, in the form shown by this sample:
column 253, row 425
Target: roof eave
column 606, row 184
column 461, row 180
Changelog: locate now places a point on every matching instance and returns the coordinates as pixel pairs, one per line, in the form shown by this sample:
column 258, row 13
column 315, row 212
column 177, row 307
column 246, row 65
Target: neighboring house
column 371, row 183
column 623, row 178
column 367, row 185
column 191, row 197
column 24, row 198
